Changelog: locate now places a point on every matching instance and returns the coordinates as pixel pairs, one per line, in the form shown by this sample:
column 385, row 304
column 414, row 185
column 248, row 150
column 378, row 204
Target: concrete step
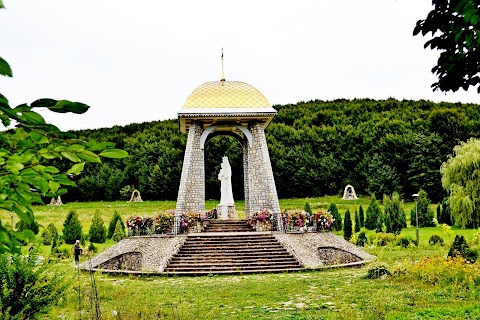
column 246, row 259
column 229, row 254
column 231, row 268
column 205, row 272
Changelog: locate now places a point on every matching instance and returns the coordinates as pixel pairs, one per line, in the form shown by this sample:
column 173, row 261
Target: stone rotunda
column 227, row 108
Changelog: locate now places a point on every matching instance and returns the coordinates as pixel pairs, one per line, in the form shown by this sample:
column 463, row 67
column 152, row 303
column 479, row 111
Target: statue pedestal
column 231, row 213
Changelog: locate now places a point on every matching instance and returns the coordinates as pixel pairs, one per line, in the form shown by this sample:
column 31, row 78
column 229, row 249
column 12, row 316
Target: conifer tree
column 425, row 214
column 445, row 216
column 374, row 217
column 393, row 213
column 72, row 228
column 113, row 224
column 357, row 222
column 362, row 217
column 119, row 233
column 97, row 232
column 347, row 226
column 307, row 208
column 337, row 224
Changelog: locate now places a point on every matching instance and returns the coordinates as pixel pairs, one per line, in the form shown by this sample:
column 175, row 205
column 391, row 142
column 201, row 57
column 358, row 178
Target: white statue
column 225, row 176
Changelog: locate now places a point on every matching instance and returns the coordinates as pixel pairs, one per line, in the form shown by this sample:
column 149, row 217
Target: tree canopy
column 461, row 178
column 29, row 154
column 455, row 31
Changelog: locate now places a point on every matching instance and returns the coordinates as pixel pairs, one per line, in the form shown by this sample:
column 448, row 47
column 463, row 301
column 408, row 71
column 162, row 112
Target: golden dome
column 226, row 94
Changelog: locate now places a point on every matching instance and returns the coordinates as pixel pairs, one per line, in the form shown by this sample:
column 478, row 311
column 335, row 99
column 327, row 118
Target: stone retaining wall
column 156, row 251
column 304, row 246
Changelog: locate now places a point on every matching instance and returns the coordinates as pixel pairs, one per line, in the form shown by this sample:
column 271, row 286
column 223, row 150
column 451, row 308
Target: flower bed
column 192, row 222
column 301, row 221
column 323, row 220
column 163, row 223
column 261, row 220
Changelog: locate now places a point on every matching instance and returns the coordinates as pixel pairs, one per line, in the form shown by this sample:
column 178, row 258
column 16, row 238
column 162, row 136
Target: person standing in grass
column 77, row 251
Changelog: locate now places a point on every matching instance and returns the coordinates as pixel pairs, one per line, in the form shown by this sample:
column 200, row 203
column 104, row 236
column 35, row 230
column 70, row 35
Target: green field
column 319, row 294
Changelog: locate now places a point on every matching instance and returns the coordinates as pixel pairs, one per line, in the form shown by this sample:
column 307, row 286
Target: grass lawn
column 322, row 294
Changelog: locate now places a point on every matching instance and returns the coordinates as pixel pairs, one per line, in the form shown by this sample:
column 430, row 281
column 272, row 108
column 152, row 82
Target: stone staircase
column 233, row 253
column 227, row 226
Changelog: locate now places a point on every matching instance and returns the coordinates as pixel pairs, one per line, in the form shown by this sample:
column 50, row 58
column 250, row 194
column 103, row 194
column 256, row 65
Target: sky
column 139, row 61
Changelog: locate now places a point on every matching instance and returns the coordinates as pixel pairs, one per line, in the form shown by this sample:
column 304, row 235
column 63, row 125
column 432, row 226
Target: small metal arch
column 245, row 131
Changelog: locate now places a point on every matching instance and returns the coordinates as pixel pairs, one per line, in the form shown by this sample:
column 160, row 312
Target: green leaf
column 43, row 103
column 63, row 106
column 76, row 147
column 42, row 184
column 3, row 101
column 70, row 156
column 61, row 192
column 22, row 108
column 76, row 169
column 21, row 214
column 5, row 69
column 14, row 167
column 25, row 235
column 26, row 144
column 93, row 145
column 88, row 156
column 114, row 153
column 63, row 180
column 53, row 186
column 38, row 137
column 32, row 117
column 51, row 169
column 1, row 5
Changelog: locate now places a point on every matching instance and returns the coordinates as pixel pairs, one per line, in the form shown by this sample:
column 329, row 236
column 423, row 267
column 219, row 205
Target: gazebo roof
column 231, row 101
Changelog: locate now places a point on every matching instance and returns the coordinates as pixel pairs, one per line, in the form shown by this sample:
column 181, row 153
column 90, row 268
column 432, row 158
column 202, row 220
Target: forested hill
column 316, row 148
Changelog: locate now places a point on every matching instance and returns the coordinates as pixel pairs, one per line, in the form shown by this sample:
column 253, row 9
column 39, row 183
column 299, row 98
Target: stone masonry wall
column 191, row 193
column 261, row 190
column 246, row 177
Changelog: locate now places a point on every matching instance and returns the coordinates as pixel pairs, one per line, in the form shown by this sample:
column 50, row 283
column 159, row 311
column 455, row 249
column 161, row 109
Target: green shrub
column 445, row 216
column 337, row 224
column 97, row 232
column 374, row 219
column 425, row 214
column 347, row 226
column 119, row 233
column 362, row 239
column 460, row 248
column 126, row 192
column 381, row 239
column 404, row 241
column 307, row 208
column 361, row 215
column 49, row 234
column 447, row 272
column 435, row 239
column 72, row 229
column 113, row 224
column 28, row 286
column 91, row 247
column 358, row 226
column 377, row 271
column 61, row 253
column 476, row 238
column 394, row 213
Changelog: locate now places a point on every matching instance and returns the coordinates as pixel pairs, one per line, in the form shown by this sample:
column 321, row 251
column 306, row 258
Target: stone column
column 262, row 192
column 191, row 193
column 246, row 178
